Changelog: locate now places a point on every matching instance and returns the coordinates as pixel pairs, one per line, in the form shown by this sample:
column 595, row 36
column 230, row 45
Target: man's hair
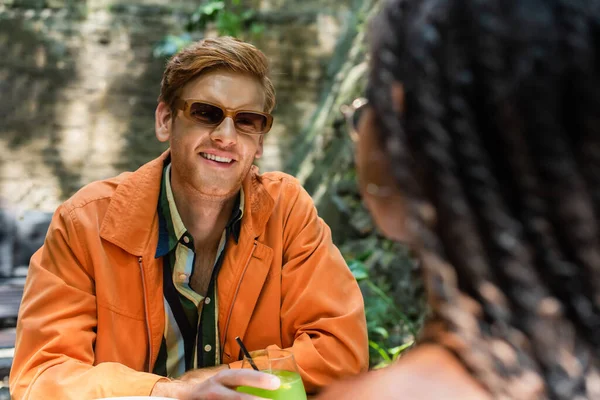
column 225, row 53
column 500, row 135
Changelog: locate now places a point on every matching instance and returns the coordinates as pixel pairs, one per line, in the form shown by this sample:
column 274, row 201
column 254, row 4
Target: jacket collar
column 131, row 218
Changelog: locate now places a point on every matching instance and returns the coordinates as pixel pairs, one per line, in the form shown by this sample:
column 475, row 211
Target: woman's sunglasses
column 208, row 114
column 352, row 113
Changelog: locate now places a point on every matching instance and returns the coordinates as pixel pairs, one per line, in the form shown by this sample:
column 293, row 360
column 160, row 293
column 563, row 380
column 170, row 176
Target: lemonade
column 291, row 387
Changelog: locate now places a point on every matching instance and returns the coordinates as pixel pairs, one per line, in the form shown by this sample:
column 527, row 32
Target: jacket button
column 186, row 239
column 207, row 300
column 207, row 348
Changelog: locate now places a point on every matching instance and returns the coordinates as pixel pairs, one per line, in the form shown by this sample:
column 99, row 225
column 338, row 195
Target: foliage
column 172, row 44
column 228, row 19
column 391, row 332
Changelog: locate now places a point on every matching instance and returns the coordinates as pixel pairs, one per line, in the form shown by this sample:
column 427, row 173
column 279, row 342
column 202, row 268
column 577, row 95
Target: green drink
column 291, row 387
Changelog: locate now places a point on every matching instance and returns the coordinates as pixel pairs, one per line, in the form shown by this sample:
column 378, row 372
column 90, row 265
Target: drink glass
column 282, row 364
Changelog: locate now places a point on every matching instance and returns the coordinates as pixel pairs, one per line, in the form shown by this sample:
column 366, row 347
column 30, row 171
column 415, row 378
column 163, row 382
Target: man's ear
column 163, row 122
column 259, row 149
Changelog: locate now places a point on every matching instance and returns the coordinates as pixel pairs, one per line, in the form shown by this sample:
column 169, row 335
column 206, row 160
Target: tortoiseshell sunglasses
column 211, row 115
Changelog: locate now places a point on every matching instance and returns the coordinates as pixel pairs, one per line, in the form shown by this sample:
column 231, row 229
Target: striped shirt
column 191, row 336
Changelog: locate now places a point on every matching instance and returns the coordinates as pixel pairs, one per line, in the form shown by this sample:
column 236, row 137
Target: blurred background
column 79, row 81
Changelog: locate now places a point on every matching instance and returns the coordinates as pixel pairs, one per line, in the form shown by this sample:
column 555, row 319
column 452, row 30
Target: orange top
column 92, row 318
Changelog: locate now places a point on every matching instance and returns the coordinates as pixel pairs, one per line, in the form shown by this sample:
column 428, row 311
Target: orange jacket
column 92, row 319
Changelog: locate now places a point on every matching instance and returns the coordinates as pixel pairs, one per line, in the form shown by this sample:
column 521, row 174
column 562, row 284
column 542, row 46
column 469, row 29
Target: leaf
column 229, row 24
column 382, row 364
column 399, row 314
column 211, row 7
column 359, row 270
column 396, row 351
column 380, row 350
column 171, row 44
column 246, row 15
column 257, row 29
column 365, row 255
column 382, row 331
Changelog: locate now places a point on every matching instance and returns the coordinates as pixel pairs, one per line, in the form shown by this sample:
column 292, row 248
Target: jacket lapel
column 245, row 296
column 258, row 204
column 245, row 268
column 129, row 219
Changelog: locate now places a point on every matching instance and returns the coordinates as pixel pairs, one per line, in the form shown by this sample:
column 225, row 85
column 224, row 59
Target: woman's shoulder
column 427, row 372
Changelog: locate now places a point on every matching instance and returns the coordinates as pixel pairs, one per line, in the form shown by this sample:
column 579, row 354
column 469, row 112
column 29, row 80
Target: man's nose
column 225, row 133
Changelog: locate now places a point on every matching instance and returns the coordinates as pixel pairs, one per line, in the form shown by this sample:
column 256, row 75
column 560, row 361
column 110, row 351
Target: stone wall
column 78, row 85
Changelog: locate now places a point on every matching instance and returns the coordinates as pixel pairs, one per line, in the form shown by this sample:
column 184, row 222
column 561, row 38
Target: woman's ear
column 398, row 97
column 163, row 122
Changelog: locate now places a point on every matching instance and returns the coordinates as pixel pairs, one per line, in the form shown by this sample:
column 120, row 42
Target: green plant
column 388, row 356
column 171, row 44
column 233, row 20
column 391, row 332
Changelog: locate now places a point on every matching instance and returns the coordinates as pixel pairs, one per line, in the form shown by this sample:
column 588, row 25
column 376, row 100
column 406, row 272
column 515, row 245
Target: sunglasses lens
column 206, row 114
column 250, row 122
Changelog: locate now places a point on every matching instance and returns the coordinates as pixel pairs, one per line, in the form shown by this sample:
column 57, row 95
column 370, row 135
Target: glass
column 282, row 364
column 209, row 114
column 352, row 113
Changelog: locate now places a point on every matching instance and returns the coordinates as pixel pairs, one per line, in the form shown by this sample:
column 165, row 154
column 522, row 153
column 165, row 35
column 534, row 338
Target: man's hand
column 220, row 386
column 202, row 374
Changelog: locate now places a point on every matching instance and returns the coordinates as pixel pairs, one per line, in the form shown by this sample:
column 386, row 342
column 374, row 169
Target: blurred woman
column 479, row 146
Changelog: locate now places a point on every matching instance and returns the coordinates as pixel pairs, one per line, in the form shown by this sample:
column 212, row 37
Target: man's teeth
column 216, row 158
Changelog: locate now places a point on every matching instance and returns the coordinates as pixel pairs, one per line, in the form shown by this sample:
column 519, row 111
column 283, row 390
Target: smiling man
column 145, row 280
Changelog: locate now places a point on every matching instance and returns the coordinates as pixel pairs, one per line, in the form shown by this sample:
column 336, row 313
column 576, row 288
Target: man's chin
column 217, row 190
column 212, row 184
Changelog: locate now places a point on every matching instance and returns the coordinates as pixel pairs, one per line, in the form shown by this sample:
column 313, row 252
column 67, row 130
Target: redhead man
column 145, row 280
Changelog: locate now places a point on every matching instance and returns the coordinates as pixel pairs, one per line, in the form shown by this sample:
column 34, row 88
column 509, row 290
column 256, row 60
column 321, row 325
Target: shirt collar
column 170, row 226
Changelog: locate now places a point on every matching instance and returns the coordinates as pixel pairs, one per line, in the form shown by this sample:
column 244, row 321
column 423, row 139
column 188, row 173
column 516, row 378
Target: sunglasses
column 353, row 113
column 209, row 114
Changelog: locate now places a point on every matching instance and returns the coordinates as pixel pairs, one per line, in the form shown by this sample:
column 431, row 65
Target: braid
column 502, row 127
column 567, row 215
column 546, row 332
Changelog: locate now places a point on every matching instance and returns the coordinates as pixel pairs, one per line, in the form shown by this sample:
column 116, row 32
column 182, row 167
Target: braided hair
column 500, row 136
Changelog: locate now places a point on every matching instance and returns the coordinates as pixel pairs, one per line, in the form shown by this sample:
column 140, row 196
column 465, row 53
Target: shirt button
column 183, row 277
column 186, row 239
column 207, row 348
column 207, row 300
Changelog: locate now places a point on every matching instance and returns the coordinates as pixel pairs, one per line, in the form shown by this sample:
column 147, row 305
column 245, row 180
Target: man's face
column 192, row 144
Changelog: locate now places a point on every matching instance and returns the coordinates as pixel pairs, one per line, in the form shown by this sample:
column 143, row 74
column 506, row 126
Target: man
column 145, row 280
